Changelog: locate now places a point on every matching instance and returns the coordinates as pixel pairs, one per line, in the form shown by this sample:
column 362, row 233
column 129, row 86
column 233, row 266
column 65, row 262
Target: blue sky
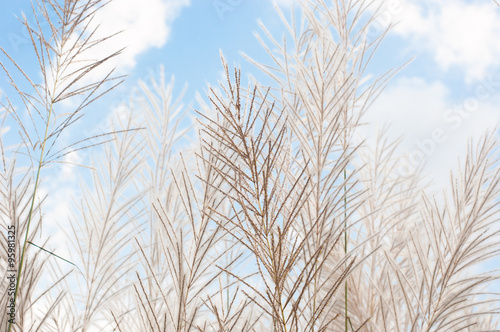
column 447, row 94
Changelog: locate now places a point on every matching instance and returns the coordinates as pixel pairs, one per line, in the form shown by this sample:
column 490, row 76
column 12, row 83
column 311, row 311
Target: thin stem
column 30, row 215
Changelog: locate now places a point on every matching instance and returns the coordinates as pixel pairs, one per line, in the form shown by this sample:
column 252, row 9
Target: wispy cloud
column 136, row 27
column 457, row 34
column 435, row 127
column 286, row 3
column 144, row 25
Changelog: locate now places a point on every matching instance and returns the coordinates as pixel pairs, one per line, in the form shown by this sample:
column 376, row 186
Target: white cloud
column 145, row 24
column 456, row 33
column 142, row 25
column 435, row 129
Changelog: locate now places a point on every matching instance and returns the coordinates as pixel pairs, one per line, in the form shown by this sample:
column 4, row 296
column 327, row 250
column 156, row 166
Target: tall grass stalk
column 61, row 37
column 319, row 69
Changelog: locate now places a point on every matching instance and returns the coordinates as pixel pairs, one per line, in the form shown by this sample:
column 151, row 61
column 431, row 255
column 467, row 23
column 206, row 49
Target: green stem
column 30, row 215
